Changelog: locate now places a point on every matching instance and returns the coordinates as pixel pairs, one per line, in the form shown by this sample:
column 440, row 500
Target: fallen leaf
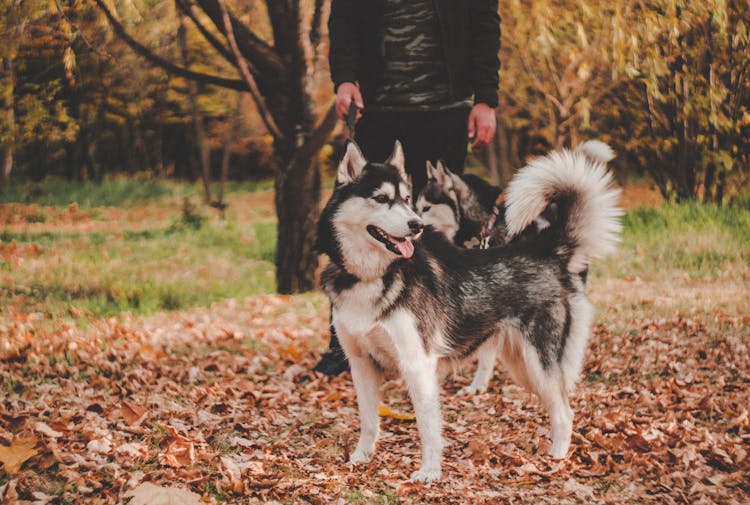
column 100, row 445
column 180, row 452
column 581, row 491
column 13, row 456
column 151, row 494
column 639, row 443
column 479, row 451
column 133, row 413
column 46, row 430
column 385, row 411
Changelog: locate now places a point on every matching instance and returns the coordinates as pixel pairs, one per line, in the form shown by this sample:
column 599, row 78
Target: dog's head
column 438, row 203
column 457, row 205
column 369, row 222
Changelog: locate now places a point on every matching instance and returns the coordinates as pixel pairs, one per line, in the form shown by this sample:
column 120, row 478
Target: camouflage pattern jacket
column 470, row 33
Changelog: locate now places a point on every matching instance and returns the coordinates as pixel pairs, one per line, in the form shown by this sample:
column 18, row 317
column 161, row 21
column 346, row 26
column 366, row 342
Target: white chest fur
column 355, row 316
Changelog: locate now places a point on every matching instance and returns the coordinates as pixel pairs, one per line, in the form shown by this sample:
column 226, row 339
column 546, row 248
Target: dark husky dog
column 462, row 206
column 404, row 298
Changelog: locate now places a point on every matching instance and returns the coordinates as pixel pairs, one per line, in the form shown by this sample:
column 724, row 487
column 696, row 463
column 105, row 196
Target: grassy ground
column 129, row 245
column 133, row 245
column 219, row 398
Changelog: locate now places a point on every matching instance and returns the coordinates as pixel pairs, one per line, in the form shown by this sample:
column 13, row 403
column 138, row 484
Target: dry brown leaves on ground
column 219, row 404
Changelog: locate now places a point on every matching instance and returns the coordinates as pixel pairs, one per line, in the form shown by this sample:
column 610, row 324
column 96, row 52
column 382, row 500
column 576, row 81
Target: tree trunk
column 200, row 137
column 297, row 208
column 500, row 157
column 708, row 182
column 10, row 118
column 226, row 155
column 7, row 166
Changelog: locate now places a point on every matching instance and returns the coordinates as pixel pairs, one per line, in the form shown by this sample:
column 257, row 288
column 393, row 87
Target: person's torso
column 415, row 75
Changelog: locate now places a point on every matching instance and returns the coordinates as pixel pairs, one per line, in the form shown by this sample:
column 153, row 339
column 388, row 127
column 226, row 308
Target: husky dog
column 406, row 299
column 468, row 209
column 461, row 206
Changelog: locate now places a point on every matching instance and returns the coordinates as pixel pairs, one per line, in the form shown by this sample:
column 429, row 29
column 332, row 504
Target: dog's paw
column 559, row 450
column 360, row 456
column 426, row 475
column 471, row 390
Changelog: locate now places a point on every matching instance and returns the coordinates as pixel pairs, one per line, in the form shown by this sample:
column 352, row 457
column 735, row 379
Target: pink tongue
column 406, row 248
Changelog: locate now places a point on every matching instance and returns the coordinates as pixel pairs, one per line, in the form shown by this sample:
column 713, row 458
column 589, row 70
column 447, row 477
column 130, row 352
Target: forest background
column 211, row 90
column 162, row 166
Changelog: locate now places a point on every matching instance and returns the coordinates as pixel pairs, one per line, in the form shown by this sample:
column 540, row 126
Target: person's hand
column 482, row 124
column 346, row 92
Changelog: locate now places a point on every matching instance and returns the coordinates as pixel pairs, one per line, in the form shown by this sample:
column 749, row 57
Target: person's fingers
column 357, row 96
column 492, row 128
column 342, row 106
column 472, row 125
column 483, row 136
column 486, row 134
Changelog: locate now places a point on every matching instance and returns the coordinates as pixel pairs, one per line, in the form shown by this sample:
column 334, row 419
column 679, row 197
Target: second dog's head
column 438, row 202
column 456, row 205
column 368, row 222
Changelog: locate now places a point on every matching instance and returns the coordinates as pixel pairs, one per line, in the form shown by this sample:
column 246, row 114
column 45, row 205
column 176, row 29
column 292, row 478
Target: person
column 424, row 72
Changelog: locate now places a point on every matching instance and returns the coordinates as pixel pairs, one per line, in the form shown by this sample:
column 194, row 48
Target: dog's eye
column 382, row 199
column 426, row 208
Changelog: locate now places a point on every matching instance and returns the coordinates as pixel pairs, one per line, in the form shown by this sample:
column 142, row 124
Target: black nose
column 415, row 225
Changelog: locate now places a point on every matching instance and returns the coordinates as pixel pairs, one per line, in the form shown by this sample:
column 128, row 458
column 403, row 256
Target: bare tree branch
column 165, row 64
column 313, row 143
column 260, row 102
column 257, row 52
column 190, row 10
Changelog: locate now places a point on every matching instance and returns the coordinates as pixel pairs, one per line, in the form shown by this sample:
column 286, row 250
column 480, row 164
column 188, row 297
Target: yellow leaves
column 385, row 411
column 69, row 62
column 14, row 456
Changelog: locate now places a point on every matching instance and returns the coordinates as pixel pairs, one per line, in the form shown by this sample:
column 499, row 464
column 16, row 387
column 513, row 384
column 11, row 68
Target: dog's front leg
column 420, row 372
column 367, row 385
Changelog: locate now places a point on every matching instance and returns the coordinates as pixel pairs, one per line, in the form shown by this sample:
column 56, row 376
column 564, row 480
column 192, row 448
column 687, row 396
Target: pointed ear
column 431, row 171
column 442, row 175
column 351, row 165
column 397, row 159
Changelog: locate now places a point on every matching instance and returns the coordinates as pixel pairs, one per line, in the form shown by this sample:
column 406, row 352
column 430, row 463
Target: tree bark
column 297, row 198
column 10, row 118
column 281, row 74
column 200, row 136
column 7, row 166
column 499, row 157
column 226, row 156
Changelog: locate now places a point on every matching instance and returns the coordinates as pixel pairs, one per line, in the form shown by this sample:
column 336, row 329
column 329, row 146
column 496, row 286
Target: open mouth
column 397, row 245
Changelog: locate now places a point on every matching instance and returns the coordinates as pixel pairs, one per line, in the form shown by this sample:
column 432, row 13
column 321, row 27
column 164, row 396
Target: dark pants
column 431, row 135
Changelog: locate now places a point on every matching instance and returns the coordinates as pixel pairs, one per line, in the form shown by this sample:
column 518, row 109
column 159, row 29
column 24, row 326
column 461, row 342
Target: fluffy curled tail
column 596, row 150
column 580, row 185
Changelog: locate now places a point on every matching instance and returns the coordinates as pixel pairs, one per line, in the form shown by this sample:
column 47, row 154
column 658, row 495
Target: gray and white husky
column 405, row 298
column 461, row 206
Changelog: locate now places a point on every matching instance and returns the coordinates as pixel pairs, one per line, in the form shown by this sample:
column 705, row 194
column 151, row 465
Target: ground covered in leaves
column 219, row 405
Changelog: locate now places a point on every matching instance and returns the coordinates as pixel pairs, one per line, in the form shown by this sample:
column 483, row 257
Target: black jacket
column 470, row 31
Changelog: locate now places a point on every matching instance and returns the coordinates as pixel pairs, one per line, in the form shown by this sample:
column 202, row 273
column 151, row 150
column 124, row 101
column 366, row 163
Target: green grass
column 195, row 261
column 105, row 273
column 703, row 241
column 113, row 192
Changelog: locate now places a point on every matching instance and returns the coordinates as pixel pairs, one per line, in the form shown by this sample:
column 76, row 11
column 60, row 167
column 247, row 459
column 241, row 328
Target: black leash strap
column 351, row 119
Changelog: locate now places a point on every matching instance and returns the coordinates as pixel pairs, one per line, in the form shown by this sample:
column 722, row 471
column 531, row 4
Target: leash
column 487, row 230
column 351, row 120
